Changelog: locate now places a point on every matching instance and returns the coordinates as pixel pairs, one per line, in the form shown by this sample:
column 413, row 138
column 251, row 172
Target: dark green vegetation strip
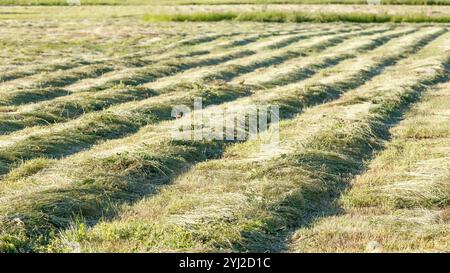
column 295, row 17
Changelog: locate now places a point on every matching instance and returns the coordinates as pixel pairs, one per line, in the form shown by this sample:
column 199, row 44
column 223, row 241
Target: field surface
column 87, row 161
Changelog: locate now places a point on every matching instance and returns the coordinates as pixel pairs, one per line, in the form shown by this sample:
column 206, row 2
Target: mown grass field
column 87, row 162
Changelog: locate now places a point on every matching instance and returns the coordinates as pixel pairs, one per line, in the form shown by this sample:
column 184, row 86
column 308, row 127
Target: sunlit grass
column 295, row 17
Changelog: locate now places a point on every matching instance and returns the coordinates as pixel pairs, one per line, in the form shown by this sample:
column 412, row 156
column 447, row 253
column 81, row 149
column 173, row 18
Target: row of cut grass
column 145, row 161
column 142, row 75
column 71, row 72
column 138, row 75
column 139, row 56
column 63, row 53
column 70, row 137
column 138, row 49
column 71, row 106
column 249, row 202
column 402, row 202
column 298, row 69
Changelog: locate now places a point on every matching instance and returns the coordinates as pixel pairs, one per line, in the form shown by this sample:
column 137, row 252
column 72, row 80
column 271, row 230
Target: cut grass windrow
column 135, row 49
column 157, row 50
column 304, row 67
column 135, row 59
column 69, row 107
column 144, row 75
column 138, row 76
column 25, row 94
column 91, row 128
column 32, row 69
column 420, row 176
column 43, row 85
column 61, row 140
column 62, row 78
column 249, row 202
column 236, row 68
column 402, row 202
column 138, row 57
column 92, row 183
column 26, row 72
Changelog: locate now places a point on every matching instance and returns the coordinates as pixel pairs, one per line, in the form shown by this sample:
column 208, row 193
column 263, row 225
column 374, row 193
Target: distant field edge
column 219, row 2
column 295, row 17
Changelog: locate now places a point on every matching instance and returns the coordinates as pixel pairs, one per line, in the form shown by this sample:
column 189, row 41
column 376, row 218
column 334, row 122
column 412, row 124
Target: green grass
column 110, row 124
column 87, row 162
column 240, row 204
column 402, row 201
column 114, row 123
column 107, row 124
column 96, row 193
column 296, row 17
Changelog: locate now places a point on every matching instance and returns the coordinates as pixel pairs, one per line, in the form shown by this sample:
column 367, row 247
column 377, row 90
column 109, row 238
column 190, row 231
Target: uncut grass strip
column 295, row 17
